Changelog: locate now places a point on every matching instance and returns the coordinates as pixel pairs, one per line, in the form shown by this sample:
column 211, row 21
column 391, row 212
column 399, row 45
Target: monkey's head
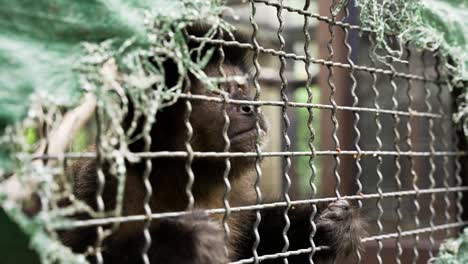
column 208, row 118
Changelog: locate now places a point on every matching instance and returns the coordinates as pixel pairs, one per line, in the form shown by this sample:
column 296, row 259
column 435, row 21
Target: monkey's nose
column 247, row 109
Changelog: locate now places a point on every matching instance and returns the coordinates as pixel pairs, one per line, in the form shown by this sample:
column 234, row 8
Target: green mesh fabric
column 40, row 43
column 454, row 251
column 54, row 49
column 52, row 52
column 440, row 25
column 40, row 46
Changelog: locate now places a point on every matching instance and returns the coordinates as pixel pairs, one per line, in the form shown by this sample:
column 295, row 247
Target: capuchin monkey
column 198, row 238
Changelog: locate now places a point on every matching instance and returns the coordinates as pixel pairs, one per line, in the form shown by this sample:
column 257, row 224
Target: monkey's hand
column 341, row 228
column 190, row 239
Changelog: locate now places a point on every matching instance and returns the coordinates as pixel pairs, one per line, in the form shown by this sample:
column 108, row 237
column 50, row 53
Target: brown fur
column 197, row 235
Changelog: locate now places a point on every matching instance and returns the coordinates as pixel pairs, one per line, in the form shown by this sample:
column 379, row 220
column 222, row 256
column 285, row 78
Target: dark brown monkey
column 198, row 238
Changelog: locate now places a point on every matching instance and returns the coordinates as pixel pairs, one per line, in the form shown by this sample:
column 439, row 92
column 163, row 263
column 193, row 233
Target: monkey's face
column 208, row 119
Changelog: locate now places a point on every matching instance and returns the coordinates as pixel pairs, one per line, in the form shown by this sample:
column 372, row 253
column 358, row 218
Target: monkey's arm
column 338, row 227
column 191, row 239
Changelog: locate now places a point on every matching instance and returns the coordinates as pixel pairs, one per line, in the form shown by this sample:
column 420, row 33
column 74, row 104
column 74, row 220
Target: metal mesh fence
column 380, row 136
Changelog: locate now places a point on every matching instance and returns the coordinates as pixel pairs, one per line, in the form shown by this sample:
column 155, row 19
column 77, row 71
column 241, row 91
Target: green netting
column 454, row 251
column 51, row 53
column 440, row 25
column 55, row 48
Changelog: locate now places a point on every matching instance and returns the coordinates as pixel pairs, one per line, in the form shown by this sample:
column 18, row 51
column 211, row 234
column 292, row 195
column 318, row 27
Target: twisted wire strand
column 396, row 160
column 101, row 180
column 432, row 167
column 311, row 132
column 332, row 101
column 458, row 180
column 443, row 134
column 258, row 157
column 286, row 123
column 190, row 156
column 148, row 189
column 378, row 157
column 227, row 147
column 356, row 115
column 413, row 173
column 188, row 144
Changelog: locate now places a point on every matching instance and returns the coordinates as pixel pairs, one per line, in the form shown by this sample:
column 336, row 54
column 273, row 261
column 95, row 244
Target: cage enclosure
column 231, row 132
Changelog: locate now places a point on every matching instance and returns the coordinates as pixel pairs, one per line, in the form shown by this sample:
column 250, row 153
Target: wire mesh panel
column 352, row 127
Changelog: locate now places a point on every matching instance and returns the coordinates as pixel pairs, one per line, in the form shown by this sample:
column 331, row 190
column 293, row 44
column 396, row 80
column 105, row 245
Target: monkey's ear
column 236, row 55
column 233, row 53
